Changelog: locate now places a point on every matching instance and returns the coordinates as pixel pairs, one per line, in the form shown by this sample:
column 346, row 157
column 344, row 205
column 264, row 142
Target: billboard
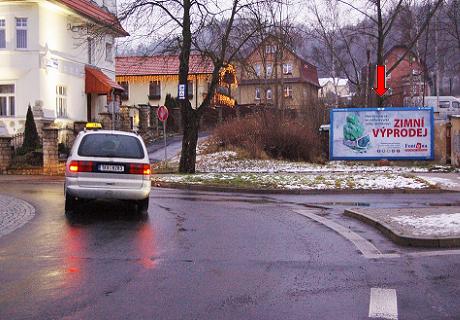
column 382, row 133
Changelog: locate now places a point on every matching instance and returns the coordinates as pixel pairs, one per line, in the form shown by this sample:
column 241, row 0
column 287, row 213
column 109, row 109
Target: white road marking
column 367, row 249
column 383, row 304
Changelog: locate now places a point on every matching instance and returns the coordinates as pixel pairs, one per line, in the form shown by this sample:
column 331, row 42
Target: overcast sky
column 299, row 11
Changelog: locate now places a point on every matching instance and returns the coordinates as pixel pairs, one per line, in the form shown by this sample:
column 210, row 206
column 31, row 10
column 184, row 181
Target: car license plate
column 111, row 168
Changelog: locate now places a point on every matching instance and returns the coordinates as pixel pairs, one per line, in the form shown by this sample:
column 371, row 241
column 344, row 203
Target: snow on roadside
column 445, row 224
column 441, row 181
column 227, row 161
column 301, row 181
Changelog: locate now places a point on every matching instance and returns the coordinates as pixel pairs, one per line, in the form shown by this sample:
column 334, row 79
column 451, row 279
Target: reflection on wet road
column 203, row 255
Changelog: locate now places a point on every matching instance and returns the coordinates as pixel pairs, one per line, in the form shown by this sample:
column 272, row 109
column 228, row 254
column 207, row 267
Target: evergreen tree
column 170, row 102
column 31, row 138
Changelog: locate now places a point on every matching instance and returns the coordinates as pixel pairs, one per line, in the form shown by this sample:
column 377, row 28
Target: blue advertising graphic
column 382, row 133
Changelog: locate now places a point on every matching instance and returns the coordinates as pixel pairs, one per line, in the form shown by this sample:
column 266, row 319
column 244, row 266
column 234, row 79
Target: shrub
column 63, row 148
column 27, row 160
column 265, row 135
column 172, row 123
column 31, row 138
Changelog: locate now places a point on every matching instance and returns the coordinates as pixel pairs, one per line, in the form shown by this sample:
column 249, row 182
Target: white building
column 57, row 56
column 334, row 86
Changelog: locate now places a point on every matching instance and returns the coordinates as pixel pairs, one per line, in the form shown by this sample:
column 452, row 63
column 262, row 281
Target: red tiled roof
column 97, row 82
column 95, row 13
column 160, row 65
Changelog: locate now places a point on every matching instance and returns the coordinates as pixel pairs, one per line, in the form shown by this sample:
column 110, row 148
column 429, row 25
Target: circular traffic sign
column 162, row 113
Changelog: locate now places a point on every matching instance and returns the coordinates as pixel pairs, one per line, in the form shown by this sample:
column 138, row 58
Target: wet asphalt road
column 174, row 146
column 212, row 256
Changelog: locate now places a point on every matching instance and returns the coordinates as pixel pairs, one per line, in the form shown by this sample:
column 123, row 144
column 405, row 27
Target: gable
column 93, row 12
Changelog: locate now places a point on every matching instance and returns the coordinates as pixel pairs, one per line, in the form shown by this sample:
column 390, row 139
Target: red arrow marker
column 381, row 80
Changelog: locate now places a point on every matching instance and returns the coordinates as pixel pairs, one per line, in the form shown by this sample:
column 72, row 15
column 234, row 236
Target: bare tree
column 340, row 47
column 189, row 23
column 378, row 26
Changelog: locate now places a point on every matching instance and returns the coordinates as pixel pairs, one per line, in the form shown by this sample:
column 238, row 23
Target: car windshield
column 110, row 145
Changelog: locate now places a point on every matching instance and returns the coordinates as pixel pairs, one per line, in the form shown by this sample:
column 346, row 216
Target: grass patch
column 276, row 181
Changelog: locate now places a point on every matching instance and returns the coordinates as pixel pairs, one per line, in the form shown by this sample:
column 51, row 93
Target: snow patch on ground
column 441, row 181
column 446, row 224
column 227, row 161
column 301, row 181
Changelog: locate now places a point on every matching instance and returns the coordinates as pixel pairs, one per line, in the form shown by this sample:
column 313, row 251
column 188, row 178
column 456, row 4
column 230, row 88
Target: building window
column 21, row 33
column 269, row 70
column 61, row 101
column 257, row 93
column 154, row 90
column 257, row 69
column 269, row 94
column 190, row 89
column 91, row 51
column 288, row 91
column 109, row 52
column 7, row 107
column 125, row 94
column 2, row 34
column 287, row 68
column 270, row 49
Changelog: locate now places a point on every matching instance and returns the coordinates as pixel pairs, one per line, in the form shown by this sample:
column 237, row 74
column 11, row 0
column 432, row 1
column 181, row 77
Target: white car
column 107, row 164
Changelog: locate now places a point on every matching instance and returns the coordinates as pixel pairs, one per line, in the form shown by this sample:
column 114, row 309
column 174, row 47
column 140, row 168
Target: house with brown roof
column 273, row 75
column 148, row 80
column 59, row 57
column 407, row 80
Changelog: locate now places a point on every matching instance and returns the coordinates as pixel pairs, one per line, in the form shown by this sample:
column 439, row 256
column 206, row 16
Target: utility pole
column 436, row 50
column 368, row 85
column 336, row 102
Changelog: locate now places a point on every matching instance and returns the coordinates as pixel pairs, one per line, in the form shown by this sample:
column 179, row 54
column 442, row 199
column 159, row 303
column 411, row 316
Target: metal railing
column 17, row 140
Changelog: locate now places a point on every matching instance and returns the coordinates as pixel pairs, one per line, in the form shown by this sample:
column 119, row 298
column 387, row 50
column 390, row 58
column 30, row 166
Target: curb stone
column 218, row 188
column 403, row 239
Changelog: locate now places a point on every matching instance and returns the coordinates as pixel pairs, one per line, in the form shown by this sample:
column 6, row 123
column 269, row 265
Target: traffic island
column 433, row 227
column 295, row 183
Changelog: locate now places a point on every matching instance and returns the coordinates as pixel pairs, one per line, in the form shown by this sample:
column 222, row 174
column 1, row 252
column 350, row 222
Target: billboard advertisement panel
column 382, row 133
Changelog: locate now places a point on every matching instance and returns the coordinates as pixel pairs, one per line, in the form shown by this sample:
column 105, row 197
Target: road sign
column 381, row 87
column 181, row 92
column 162, row 113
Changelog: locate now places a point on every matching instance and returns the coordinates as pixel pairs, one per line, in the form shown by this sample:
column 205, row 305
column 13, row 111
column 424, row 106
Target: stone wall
column 125, row 122
column 441, row 141
column 144, row 117
column 5, row 153
column 455, row 141
column 50, row 151
column 106, row 120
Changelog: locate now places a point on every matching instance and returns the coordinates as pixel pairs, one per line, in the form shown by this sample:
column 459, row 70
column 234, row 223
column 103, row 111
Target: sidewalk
column 418, row 227
column 445, row 181
column 30, row 178
column 14, row 213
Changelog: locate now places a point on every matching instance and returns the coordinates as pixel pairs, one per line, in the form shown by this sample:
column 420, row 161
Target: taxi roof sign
column 93, row 125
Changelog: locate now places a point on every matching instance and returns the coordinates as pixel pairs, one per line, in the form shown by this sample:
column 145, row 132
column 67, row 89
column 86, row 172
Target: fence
column 17, row 140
